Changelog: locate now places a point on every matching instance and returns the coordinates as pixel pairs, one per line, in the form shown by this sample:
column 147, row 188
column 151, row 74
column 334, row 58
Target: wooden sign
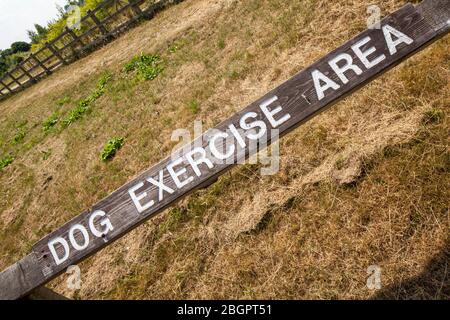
column 330, row 79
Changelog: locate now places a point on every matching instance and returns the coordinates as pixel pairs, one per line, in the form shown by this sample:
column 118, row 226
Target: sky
column 18, row 16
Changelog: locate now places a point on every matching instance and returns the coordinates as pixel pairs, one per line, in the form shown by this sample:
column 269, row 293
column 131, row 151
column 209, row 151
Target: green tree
column 20, row 46
column 38, row 34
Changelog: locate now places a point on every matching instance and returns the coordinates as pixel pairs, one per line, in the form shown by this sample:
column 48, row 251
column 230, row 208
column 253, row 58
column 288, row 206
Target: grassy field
column 365, row 183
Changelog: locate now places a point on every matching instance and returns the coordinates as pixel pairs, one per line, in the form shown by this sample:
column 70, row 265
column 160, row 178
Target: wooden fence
column 97, row 28
column 333, row 77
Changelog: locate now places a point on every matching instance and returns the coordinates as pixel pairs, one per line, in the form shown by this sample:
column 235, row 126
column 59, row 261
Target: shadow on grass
column 432, row 283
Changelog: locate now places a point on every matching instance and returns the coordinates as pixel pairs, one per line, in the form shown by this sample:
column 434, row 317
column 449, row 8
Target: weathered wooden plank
column 437, row 14
column 311, row 91
column 20, row 278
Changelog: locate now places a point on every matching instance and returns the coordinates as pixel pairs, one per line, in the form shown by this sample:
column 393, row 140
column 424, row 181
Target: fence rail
column 69, row 46
column 319, row 86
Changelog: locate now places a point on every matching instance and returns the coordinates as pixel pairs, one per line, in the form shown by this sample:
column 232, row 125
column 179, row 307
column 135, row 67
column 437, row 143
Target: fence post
column 98, row 23
column 14, row 78
column 40, row 64
column 75, row 37
column 32, row 79
column 6, row 86
column 135, row 7
column 77, row 40
column 56, row 52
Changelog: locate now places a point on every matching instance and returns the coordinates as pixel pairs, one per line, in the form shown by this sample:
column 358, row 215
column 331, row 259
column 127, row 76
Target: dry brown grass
column 364, row 183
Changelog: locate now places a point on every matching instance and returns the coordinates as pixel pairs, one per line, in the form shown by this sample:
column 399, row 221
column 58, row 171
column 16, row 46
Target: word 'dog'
column 79, row 236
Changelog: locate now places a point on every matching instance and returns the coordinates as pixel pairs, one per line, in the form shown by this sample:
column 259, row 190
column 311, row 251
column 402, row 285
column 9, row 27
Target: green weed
column 85, row 103
column 18, row 138
column 111, row 148
column 50, row 122
column 63, row 101
column 147, row 66
column 6, row 161
column 46, row 154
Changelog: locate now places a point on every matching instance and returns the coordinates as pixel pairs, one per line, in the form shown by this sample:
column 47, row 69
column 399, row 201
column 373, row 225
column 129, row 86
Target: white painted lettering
column 340, row 70
column 318, row 78
column 388, row 32
column 175, row 175
column 363, row 55
column 196, row 162
column 270, row 113
column 137, row 199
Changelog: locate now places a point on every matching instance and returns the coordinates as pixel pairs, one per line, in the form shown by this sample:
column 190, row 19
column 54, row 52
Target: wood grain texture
column 436, row 13
column 298, row 97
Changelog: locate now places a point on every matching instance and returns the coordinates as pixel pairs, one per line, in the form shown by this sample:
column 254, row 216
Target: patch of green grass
column 194, row 106
column 173, row 48
column 146, row 66
column 167, row 121
column 221, row 43
column 76, row 113
column 6, row 161
column 63, row 101
column 176, row 46
column 50, row 122
column 111, row 147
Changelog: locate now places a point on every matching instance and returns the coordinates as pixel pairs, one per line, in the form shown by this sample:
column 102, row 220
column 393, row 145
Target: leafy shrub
column 111, row 148
column 147, row 66
column 6, row 161
column 38, row 34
